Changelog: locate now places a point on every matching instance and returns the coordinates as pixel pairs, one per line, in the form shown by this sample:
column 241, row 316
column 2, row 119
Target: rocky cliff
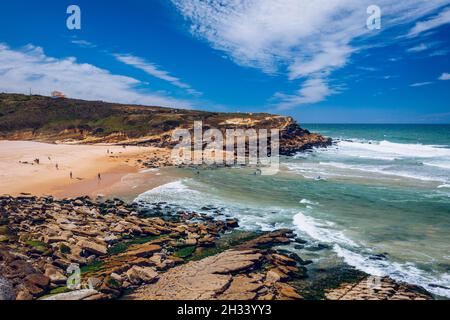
column 68, row 120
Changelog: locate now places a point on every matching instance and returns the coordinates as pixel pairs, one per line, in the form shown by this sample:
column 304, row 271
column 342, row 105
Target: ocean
column 379, row 198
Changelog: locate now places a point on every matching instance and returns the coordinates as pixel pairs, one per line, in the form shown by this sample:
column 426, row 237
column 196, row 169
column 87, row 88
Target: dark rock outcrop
column 294, row 139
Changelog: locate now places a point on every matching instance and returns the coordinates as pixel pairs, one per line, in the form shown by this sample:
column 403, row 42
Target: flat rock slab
column 72, row 296
column 200, row 280
column 93, row 247
column 371, row 288
column 143, row 250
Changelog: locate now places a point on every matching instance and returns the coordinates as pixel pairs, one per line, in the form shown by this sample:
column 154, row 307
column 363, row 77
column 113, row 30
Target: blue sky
column 314, row 60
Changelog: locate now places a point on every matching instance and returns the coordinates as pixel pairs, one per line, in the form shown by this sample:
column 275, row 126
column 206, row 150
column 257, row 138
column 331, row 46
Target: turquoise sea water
column 380, row 189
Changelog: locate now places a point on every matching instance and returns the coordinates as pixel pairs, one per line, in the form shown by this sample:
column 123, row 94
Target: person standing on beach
column 71, row 175
column 57, row 167
column 99, row 177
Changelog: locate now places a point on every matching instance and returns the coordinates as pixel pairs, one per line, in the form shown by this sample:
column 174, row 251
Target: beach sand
column 120, row 173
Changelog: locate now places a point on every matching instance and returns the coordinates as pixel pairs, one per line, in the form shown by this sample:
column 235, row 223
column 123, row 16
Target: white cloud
column 420, row 84
column 83, row 43
column 419, row 48
column 30, row 67
column 298, row 38
column 439, row 53
column 432, row 23
column 312, row 91
column 445, row 76
column 332, row 57
column 155, row 71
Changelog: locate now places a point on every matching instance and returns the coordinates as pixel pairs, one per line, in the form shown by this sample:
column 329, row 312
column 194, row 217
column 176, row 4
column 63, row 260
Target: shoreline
column 122, row 176
column 21, row 175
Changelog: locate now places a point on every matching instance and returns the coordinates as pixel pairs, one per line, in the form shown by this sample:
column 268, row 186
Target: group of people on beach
column 37, row 161
column 99, row 176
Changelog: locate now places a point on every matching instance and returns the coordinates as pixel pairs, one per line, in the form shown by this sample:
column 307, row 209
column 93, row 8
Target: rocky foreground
column 126, row 252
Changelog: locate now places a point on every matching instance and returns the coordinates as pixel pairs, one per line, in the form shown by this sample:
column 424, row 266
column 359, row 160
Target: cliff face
column 295, row 139
column 45, row 119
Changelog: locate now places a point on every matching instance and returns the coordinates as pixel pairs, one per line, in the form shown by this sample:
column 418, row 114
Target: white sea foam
column 360, row 158
column 344, row 247
column 306, row 201
column 321, row 230
column 192, row 194
column 388, row 170
column 174, row 192
column 391, row 150
column 175, row 186
column 363, row 171
column 438, row 164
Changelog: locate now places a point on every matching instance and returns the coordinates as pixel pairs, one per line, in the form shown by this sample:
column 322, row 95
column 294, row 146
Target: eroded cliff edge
column 44, row 119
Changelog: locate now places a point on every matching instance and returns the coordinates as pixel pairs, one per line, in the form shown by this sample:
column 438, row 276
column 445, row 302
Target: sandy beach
column 117, row 166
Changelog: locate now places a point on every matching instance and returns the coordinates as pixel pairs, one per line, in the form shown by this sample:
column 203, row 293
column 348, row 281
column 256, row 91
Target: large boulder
column 93, row 247
column 55, row 275
column 138, row 275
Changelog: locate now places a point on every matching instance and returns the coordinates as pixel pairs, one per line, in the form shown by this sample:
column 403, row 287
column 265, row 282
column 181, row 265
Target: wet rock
column 296, row 257
column 318, row 247
column 379, row 257
column 294, row 139
column 270, row 239
column 232, row 223
column 283, row 260
column 300, row 241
